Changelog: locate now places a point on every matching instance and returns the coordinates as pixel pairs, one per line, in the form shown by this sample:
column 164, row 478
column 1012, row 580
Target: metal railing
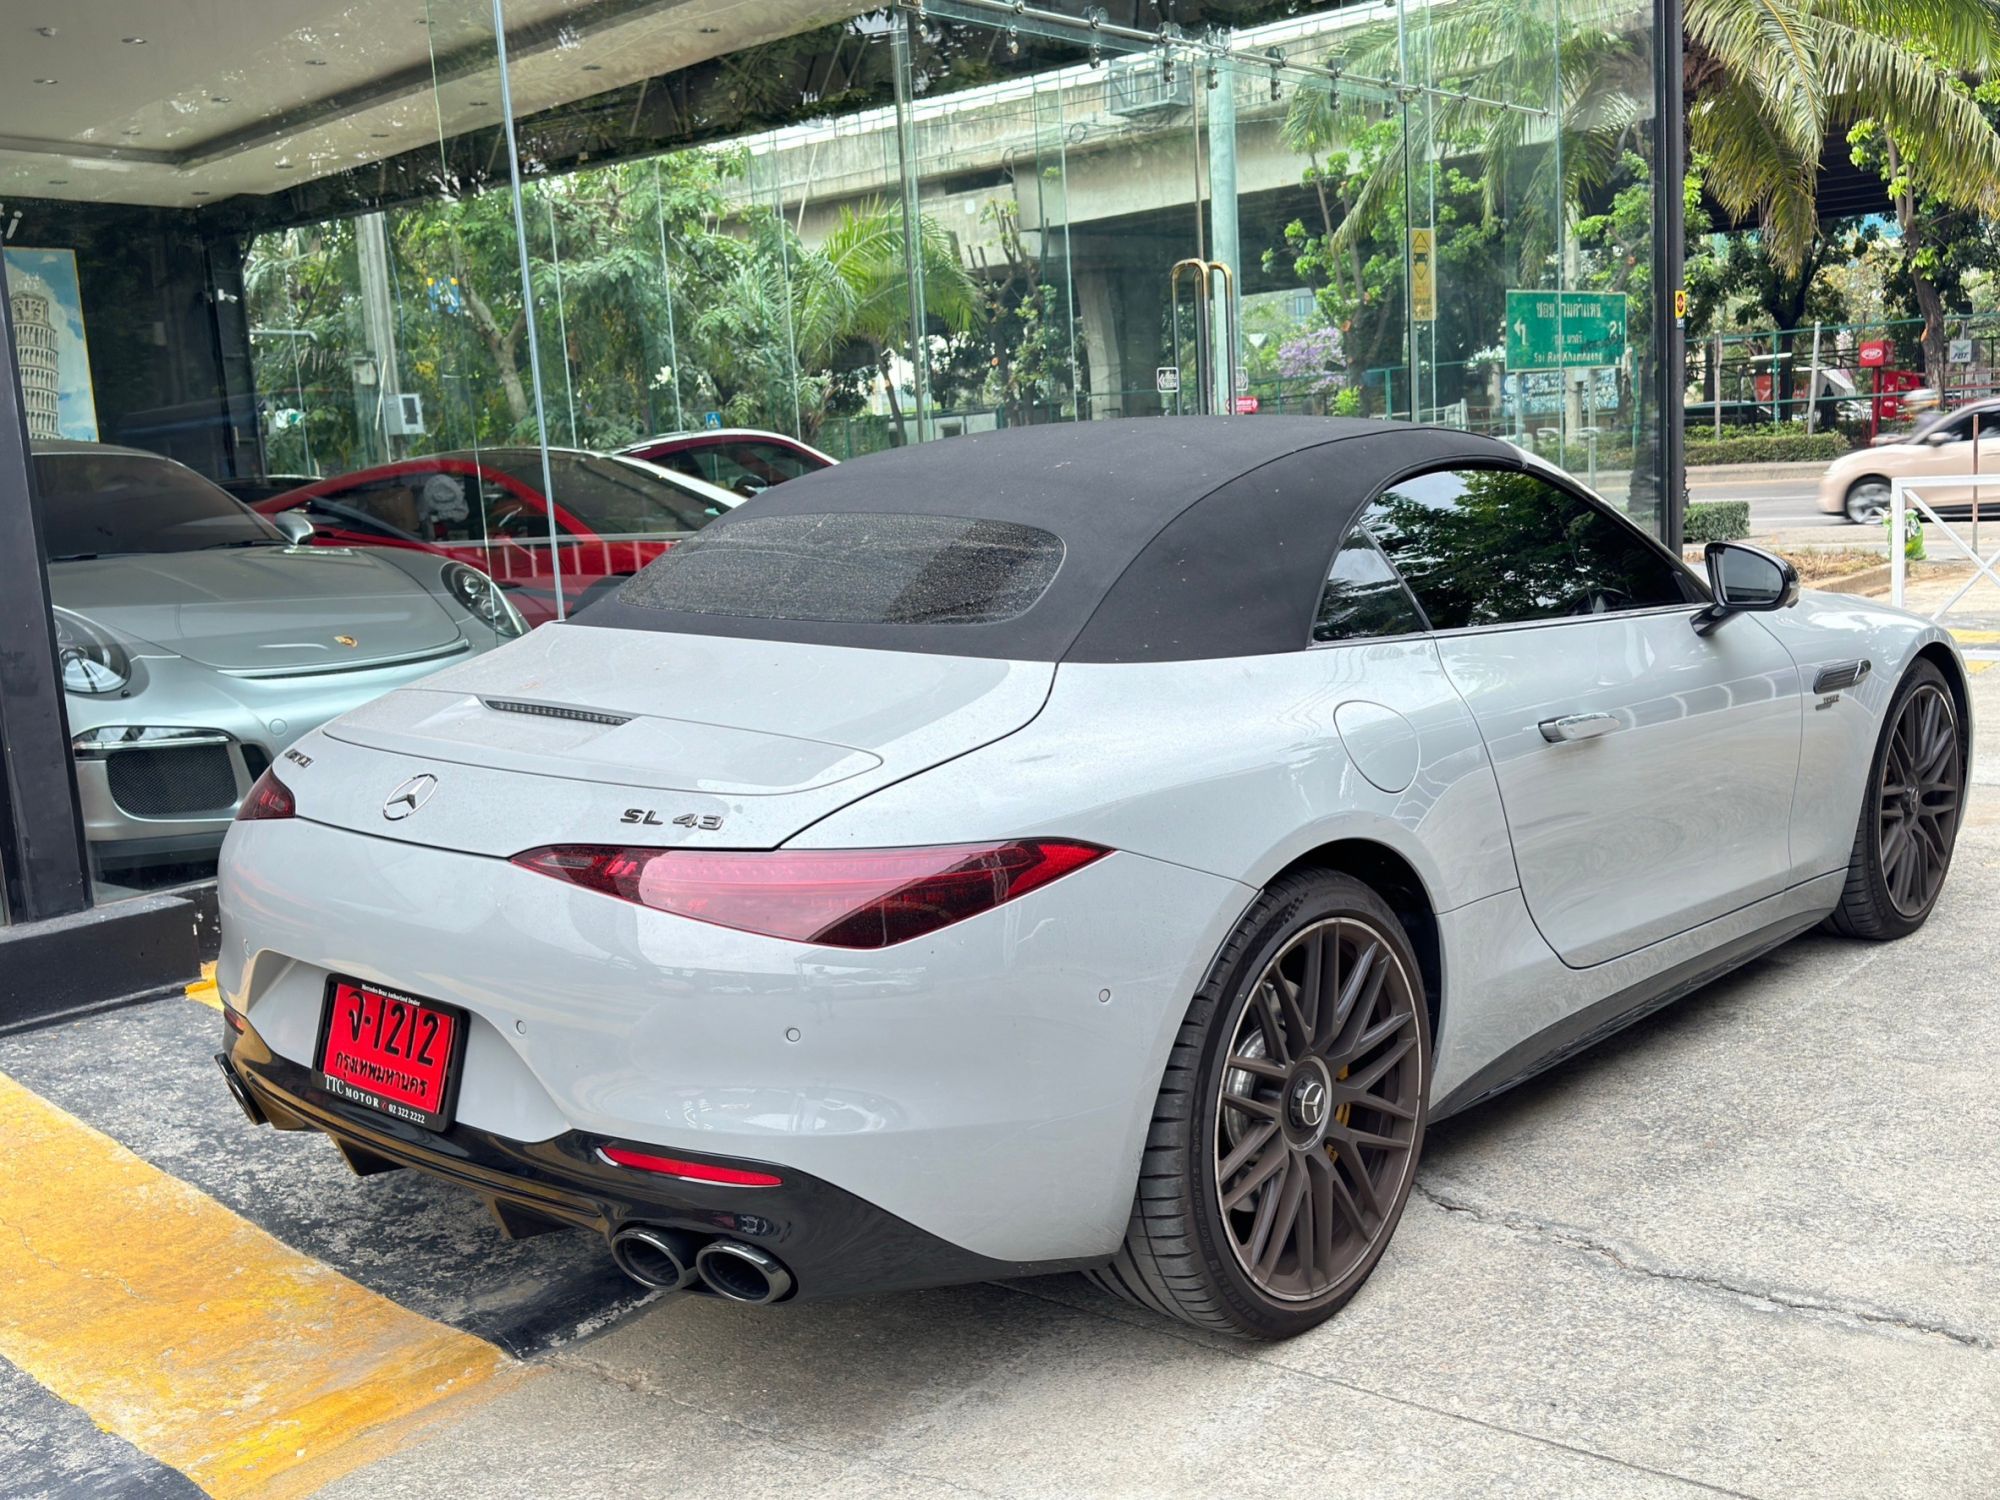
column 1902, row 494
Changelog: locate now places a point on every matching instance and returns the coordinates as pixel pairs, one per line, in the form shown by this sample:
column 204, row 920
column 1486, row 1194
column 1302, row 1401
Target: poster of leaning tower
column 49, row 343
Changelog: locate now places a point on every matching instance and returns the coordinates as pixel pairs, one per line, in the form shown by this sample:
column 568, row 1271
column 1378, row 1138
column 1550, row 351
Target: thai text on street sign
column 1423, row 276
column 1565, row 330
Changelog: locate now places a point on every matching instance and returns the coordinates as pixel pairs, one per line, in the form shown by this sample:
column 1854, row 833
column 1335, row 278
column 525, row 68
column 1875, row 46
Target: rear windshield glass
column 855, row 569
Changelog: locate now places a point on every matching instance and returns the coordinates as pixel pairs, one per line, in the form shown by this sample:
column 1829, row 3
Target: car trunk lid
column 599, row 736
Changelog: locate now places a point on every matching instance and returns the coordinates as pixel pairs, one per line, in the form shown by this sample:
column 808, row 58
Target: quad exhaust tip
column 663, row 1259
column 671, row 1260
column 742, row 1273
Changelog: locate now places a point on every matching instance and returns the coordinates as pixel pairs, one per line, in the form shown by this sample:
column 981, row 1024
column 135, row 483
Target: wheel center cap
column 1309, row 1102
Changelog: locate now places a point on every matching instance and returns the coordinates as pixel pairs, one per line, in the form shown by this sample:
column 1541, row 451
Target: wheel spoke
column 1313, row 980
column 1263, row 1067
column 1259, row 1174
column 1289, row 1194
column 1372, row 1038
column 1364, row 1138
column 1347, row 1154
column 1275, row 1044
column 1324, row 1205
column 1369, row 1076
column 1343, row 1199
column 1248, row 1147
column 1266, row 1217
column 1358, row 999
column 1251, row 1105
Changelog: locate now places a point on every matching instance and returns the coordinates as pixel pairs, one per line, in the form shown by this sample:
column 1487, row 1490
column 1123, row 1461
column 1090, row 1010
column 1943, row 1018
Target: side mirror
column 1745, row 580
column 295, row 524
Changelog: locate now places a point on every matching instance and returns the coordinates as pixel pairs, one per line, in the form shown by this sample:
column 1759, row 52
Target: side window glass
column 1497, row 546
column 1363, row 596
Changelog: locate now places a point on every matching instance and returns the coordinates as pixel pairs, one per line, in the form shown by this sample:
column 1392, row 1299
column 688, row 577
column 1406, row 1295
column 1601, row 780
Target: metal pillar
column 913, row 259
column 1223, row 236
column 1669, row 257
column 378, row 326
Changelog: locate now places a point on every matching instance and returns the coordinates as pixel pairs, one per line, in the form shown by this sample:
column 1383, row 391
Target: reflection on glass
column 1492, row 546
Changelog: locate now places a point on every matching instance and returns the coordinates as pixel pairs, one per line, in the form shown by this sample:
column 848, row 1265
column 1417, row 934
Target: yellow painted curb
column 1976, row 637
column 204, row 990
column 198, row 1337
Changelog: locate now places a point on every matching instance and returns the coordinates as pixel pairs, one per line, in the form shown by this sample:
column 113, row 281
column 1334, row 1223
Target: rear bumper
column 990, row 1085
column 833, row 1243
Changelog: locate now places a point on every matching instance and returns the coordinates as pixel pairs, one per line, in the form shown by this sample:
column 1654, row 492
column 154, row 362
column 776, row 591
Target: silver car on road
column 1100, row 846
column 197, row 642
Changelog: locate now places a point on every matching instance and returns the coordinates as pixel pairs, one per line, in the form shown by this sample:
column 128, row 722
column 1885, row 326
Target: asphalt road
column 1775, row 504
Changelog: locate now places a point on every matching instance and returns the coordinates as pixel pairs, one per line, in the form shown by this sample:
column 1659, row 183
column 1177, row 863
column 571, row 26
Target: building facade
column 311, row 245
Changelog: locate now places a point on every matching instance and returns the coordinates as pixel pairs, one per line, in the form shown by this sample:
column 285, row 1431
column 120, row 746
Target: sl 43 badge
column 649, row 818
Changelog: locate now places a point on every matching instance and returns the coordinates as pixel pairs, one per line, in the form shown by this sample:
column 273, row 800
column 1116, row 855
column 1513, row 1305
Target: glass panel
column 254, row 252
column 1494, row 547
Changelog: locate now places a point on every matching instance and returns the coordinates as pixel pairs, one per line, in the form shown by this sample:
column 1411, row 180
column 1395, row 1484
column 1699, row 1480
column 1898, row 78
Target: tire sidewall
column 1300, row 901
column 1898, row 925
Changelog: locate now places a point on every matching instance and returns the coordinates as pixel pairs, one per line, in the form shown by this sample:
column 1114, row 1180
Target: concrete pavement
column 1751, row 1247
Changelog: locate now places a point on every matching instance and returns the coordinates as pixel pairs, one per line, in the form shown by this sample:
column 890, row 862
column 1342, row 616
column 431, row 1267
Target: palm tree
column 1765, row 84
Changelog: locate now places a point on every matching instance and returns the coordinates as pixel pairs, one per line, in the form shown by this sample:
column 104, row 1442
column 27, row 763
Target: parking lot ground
column 1749, row 1247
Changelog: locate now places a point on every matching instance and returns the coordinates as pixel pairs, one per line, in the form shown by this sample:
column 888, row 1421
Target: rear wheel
column 1909, row 820
column 1288, row 1127
column 1868, row 502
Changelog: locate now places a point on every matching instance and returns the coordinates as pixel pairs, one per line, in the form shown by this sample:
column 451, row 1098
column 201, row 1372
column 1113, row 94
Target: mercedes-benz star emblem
column 1310, row 1101
column 408, row 797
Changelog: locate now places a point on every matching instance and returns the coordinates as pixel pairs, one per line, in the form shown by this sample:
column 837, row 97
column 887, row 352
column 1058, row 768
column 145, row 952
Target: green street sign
column 1565, row 330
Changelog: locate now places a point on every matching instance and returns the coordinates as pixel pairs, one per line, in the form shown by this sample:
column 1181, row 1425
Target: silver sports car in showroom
column 1103, row 846
column 197, row 641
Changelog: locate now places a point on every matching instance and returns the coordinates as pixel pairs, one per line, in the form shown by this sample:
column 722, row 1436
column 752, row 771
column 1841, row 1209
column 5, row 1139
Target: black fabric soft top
column 1185, row 538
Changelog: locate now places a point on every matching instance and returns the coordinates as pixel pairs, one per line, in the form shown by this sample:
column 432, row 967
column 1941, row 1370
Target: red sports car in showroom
column 613, row 515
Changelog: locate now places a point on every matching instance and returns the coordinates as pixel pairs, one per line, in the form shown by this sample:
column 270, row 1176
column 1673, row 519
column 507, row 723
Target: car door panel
column 1678, row 814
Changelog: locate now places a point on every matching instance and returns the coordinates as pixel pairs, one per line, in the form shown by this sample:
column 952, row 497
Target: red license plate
column 390, row 1051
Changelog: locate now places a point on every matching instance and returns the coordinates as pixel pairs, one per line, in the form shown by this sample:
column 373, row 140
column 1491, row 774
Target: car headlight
column 483, row 599
column 92, row 661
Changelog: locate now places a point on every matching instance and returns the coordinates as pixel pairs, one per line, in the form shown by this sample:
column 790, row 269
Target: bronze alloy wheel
column 1317, row 1112
column 1286, row 1133
column 1917, row 799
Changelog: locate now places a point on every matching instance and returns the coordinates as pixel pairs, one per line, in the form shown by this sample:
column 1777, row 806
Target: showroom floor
column 1751, row 1247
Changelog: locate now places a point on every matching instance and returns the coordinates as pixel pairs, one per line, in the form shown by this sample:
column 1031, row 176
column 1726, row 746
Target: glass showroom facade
column 414, row 274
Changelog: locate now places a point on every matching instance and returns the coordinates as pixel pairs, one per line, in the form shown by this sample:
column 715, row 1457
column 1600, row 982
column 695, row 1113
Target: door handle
column 1577, row 727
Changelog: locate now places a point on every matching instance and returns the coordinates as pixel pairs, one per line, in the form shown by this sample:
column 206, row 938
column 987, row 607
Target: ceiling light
column 284, row 166
column 315, row 62
column 218, row 98
column 378, row 135
column 50, row 82
column 133, row 41
column 203, row 193
column 58, row 182
column 708, row 30
column 478, row 103
column 593, row 67
column 45, row 30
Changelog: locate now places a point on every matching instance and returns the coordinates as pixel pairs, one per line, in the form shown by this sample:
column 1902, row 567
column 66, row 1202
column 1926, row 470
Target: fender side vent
column 1840, row 675
column 555, row 711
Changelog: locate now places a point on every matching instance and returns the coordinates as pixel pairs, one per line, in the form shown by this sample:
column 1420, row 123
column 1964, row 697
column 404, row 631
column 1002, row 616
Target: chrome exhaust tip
column 662, row 1259
column 742, row 1273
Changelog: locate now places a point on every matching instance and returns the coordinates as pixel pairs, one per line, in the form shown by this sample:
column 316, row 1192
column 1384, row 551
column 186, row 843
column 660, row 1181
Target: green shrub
column 1781, row 447
column 1716, row 521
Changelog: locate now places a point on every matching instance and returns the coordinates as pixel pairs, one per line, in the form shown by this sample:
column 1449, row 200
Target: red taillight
column 269, row 798
column 839, row 898
column 691, row 1171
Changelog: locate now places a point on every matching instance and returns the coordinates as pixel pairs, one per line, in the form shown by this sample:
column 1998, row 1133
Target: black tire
column 1184, row 1254
column 1867, row 500
column 1909, row 814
